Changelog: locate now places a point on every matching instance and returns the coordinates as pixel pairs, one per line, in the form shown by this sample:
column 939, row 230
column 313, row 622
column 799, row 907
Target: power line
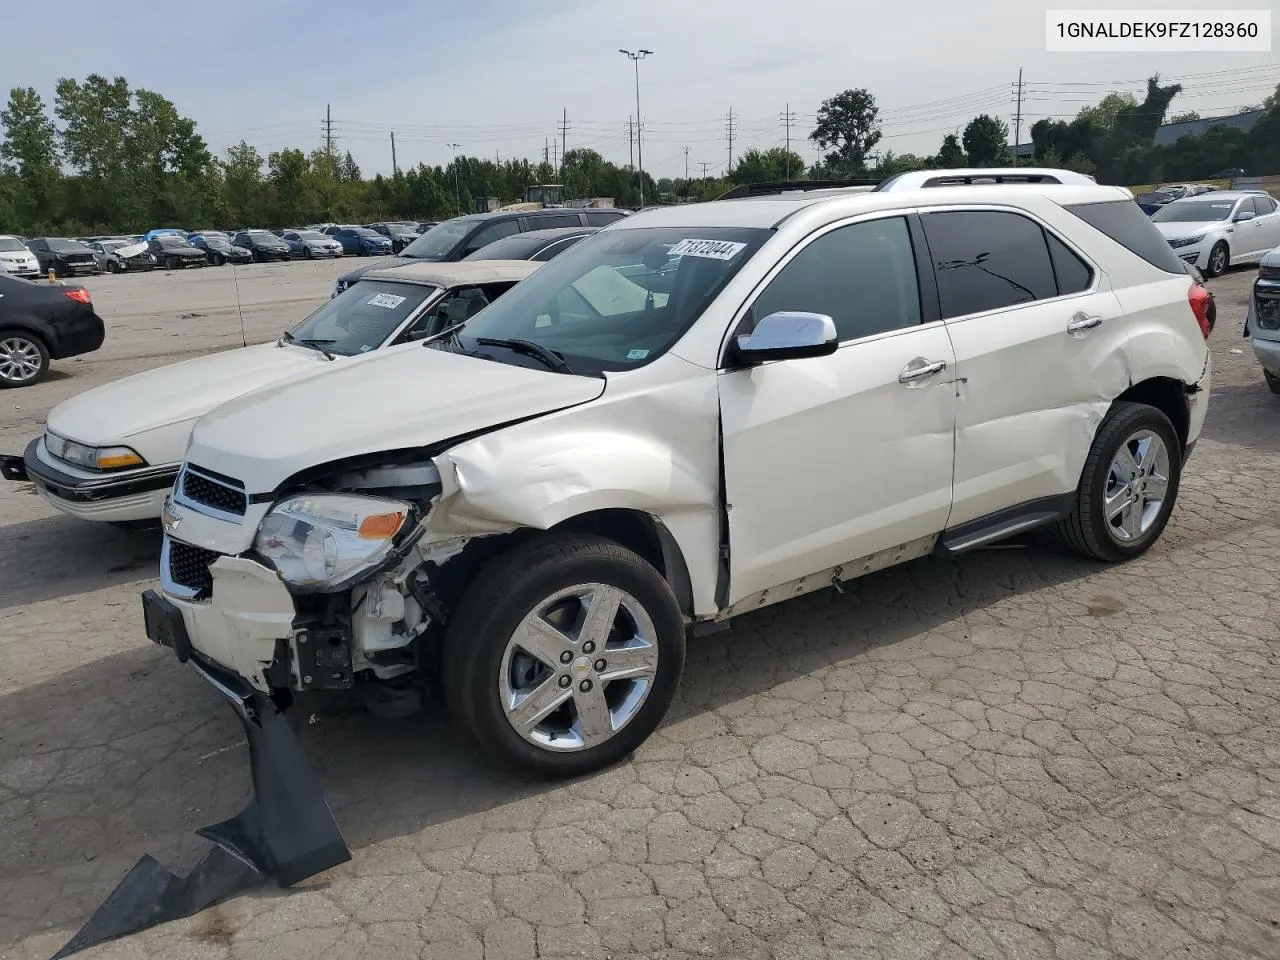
column 729, row 121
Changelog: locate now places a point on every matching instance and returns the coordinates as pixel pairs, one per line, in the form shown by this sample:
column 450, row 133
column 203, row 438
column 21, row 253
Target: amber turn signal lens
column 115, row 461
column 380, row 526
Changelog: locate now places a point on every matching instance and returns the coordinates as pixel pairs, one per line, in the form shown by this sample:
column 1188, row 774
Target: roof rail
column 770, row 187
column 917, row 179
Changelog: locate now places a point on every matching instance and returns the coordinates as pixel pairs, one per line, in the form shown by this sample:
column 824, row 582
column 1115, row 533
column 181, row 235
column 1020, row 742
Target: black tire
column 306, row 253
column 257, row 256
column 112, row 267
column 509, row 587
column 219, row 259
column 1219, row 259
column 1272, row 381
column 1085, row 529
column 42, row 353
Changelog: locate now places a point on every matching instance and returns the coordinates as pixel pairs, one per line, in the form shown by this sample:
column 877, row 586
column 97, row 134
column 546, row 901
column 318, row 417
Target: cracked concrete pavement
column 1015, row 754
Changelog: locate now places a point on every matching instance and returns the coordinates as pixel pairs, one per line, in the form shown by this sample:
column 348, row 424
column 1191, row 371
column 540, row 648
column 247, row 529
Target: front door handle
column 921, row 369
column 1082, row 322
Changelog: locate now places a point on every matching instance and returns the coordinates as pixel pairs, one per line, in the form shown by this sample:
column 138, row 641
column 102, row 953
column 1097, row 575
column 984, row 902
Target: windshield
column 8, row 245
column 313, row 235
column 362, row 317
column 439, row 240
column 365, row 232
column 617, row 300
column 172, row 242
column 1193, row 211
column 67, row 246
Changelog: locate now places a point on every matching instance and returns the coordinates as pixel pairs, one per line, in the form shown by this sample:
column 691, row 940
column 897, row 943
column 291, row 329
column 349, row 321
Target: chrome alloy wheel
column 1136, row 486
column 578, row 667
column 20, row 359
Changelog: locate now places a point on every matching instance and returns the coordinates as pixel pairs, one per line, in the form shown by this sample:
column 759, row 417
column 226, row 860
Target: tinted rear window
column 1125, row 223
column 601, row 218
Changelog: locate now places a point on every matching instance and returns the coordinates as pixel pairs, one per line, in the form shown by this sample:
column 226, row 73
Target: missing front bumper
column 286, row 831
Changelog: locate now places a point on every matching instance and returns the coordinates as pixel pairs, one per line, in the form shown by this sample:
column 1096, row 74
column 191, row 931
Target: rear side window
column 985, row 260
column 555, row 220
column 1125, row 223
column 602, row 218
column 1073, row 273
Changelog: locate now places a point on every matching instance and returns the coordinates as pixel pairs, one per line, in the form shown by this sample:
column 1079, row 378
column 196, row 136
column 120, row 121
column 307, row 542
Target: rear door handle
column 921, row 369
column 1082, row 322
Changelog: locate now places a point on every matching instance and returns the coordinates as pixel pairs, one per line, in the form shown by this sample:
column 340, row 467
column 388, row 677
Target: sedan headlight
column 322, row 542
column 92, row 458
column 1186, row 241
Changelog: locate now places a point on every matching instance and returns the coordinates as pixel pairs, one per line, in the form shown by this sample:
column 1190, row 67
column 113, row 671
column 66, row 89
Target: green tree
column 29, row 153
column 349, row 170
column 986, row 141
column 1184, row 117
column 848, row 128
column 757, row 166
column 242, row 176
column 1102, row 115
column 951, row 153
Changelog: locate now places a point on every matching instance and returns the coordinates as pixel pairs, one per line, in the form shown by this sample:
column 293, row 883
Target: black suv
column 455, row 239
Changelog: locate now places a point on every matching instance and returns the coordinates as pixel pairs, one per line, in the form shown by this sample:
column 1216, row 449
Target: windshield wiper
column 529, row 349
column 314, row 344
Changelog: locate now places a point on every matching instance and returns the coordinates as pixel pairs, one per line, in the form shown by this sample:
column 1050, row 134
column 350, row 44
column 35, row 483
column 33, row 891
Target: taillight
column 79, row 296
column 1202, row 306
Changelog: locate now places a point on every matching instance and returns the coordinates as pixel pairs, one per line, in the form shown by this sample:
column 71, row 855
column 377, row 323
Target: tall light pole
column 636, row 57
column 457, row 193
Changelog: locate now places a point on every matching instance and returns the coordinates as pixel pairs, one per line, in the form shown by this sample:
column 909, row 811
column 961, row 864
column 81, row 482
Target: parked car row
column 1217, row 229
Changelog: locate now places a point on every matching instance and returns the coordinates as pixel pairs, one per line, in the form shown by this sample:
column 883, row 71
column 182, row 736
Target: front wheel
column 564, row 654
column 1219, row 257
column 112, row 267
column 24, row 359
column 219, row 259
column 1128, row 486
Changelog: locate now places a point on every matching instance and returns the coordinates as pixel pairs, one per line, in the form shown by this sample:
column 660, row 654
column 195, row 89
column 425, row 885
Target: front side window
column 863, row 276
column 362, row 317
column 985, row 260
column 506, row 228
column 617, row 300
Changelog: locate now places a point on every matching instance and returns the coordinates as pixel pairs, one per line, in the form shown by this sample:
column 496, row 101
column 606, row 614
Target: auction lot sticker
column 711, row 249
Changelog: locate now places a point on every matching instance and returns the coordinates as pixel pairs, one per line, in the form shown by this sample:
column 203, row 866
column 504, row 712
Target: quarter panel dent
column 650, row 444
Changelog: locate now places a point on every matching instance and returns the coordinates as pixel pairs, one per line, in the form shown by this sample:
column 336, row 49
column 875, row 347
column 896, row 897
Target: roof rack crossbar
column 769, row 187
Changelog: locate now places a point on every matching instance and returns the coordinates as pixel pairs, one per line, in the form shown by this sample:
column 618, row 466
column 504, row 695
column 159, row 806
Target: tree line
column 111, row 158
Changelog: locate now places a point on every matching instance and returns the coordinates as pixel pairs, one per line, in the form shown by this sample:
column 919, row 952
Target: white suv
column 699, row 411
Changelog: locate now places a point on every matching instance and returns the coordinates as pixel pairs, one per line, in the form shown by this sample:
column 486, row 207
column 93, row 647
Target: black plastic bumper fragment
column 287, row 830
column 13, row 468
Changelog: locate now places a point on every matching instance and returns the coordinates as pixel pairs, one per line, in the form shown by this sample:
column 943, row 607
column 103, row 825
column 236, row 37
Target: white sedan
column 1218, row 229
column 112, row 453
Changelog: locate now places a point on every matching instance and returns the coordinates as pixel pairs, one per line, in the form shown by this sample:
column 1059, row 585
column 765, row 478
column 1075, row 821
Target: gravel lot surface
column 1016, row 754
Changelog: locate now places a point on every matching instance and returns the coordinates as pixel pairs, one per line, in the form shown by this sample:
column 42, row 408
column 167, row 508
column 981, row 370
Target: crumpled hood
column 407, row 396
column 132, row 250
column 115, row 412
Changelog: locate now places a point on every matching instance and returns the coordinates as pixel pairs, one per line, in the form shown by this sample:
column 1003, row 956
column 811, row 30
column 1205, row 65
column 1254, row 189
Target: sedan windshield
column 617, row 300
column 1193, row 211
column 362, row 317
column 311, row 236
column 173, row 242
column 10, row 245
column 67, row 246
column 365, row 232
column 439, row 240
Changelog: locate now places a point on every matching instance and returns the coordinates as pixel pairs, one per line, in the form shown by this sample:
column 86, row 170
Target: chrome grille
column 189, row 567
column 212, row 490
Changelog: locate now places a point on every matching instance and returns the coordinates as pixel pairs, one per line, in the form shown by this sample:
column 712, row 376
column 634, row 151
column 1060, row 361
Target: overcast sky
column 494, row 75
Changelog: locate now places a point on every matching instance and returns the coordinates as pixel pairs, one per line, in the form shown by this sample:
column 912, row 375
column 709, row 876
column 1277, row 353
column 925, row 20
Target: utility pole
column 631, row 146
column 564, row 135
column 457, row 191
column 729, row 129
column 1017, row 120
column 328, row 130
column 788, row 118
column 636, row 57
column 546, row 150
column 686, row 166
column 395, row 170
column 555, row 160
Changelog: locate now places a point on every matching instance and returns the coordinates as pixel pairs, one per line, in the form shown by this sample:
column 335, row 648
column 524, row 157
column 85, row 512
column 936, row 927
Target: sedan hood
column 1178, row 231
column 117, row 412
column 1272, row 259
column 408, row 396
column 132, row 250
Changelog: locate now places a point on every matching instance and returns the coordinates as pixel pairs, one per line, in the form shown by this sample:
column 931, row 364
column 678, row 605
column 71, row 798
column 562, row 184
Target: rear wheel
column 1219, row 258
column 564, row 654
column 1128, row 486
column 24, row 359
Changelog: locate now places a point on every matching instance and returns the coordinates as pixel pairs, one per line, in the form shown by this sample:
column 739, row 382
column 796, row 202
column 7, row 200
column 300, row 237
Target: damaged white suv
column 699, row 411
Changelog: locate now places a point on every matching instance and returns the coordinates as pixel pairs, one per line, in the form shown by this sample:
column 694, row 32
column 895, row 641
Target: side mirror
column 787, row 335
column 1244, row 215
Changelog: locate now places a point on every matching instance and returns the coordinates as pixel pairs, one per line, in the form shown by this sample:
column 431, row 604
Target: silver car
column 1262, row 326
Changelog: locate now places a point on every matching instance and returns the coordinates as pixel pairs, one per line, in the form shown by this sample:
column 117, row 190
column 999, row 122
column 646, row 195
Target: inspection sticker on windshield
column 388, row 300
column 637, row 354
column 711, row 249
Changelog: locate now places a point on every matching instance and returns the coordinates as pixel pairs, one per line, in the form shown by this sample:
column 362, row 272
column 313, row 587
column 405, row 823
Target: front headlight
column 324, row 541
column 92, row 458
column 1186, row 241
